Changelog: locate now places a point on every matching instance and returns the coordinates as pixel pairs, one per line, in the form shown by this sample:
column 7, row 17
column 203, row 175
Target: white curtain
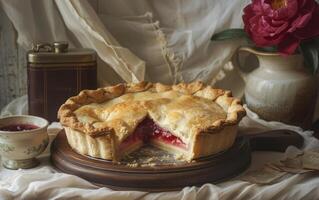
column 161, row 41
column 156, row 40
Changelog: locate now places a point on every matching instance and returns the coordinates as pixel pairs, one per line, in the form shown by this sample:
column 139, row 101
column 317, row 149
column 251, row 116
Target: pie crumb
column 132, row 164
column 179, row 157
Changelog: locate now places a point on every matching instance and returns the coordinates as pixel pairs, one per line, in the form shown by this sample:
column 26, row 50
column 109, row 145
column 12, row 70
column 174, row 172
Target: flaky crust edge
column 222, row 132
column 232, row 106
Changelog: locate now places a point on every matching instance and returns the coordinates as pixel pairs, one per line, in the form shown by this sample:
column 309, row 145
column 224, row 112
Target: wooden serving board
column 165, row 177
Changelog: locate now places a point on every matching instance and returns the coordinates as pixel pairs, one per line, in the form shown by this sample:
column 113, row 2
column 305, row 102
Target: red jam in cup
column 18, row 127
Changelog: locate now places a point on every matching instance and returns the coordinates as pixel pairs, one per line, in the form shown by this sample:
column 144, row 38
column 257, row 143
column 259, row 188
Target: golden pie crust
column 96, row 122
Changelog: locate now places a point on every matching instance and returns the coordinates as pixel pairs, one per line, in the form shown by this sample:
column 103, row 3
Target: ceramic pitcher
column 281, row 88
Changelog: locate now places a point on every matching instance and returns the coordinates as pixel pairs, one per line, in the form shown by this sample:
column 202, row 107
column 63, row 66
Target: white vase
column 281, row 89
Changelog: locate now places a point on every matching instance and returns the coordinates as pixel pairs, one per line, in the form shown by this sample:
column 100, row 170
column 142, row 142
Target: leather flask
column 56, row 73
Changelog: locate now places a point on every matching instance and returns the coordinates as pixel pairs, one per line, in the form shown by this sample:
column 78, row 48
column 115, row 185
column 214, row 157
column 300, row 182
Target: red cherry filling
column 148, row 130
column 18, row 127
column 159, row 133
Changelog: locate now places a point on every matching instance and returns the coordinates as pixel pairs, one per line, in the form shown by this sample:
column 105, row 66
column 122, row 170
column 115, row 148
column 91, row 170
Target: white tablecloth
column 44, row 182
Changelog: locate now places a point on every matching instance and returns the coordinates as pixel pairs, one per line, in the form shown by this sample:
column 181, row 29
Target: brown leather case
column 54, row 76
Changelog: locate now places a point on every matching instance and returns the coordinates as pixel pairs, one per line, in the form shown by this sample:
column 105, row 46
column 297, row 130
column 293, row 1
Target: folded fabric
column 45, row 182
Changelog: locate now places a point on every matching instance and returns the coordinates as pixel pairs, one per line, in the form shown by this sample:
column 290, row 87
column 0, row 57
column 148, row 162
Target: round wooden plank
column 101, row 172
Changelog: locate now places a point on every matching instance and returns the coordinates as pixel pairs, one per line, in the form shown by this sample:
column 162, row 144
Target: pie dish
column 187, row 119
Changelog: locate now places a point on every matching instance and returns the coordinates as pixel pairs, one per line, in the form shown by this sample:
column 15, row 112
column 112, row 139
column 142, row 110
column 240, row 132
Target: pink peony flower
column 284, row 23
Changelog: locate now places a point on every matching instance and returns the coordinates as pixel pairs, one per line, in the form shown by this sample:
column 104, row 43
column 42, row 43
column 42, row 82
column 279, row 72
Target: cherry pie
column 192, row 119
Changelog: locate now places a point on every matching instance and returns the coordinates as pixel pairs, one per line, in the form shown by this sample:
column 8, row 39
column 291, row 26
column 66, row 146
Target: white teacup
column 19, row 148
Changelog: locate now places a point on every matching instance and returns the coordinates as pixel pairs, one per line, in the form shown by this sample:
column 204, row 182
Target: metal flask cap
column 60, row 47
column 59, row 52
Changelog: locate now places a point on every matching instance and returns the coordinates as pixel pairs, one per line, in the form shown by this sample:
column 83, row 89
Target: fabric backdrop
column 166, row 41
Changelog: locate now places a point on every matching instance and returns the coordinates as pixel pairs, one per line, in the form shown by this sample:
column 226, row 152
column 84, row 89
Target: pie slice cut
column 192, row 119
column 148, row 132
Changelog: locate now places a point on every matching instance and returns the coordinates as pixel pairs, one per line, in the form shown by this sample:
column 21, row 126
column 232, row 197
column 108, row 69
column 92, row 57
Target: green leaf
column 268, row 49
column 310, row 52
column 230, row 34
